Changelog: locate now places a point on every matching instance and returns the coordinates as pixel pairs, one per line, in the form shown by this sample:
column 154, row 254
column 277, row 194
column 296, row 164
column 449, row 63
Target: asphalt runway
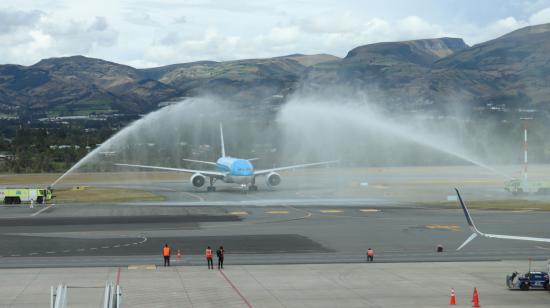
column 116, row 235
column 311, row 218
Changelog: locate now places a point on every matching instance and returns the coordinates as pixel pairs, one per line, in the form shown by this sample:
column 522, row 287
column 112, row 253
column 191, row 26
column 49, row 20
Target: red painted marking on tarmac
column 236, row 290
column 118, row 276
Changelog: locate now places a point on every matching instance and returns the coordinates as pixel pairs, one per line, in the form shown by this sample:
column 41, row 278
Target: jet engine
column 273, row 179
column 198, row 180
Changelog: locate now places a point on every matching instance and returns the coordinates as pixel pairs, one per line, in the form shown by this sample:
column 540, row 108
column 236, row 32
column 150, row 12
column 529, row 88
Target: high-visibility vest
column 166, row 251
column 209, row 253
column 370, row 253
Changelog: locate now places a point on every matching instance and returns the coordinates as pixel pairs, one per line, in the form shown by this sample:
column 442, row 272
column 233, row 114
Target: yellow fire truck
column 25, row 195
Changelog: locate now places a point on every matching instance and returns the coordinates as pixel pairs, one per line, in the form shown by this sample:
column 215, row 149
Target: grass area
column 93, row 194
column 28, row 179
column 48, row 178
column 82, row 108
column 504, row 205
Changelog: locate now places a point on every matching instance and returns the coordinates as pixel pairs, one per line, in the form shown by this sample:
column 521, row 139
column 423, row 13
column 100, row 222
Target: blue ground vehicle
column 531, row 280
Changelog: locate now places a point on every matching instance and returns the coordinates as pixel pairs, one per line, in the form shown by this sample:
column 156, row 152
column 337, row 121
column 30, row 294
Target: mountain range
column 510, row 71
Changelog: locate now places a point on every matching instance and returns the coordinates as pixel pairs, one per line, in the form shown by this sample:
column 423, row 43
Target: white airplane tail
column 221, row 134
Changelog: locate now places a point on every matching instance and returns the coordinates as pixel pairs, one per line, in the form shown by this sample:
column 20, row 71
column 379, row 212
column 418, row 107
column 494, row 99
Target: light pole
column 525, row 160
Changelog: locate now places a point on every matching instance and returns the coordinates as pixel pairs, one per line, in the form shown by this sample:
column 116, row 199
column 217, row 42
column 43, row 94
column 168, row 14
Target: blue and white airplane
column 231, row 170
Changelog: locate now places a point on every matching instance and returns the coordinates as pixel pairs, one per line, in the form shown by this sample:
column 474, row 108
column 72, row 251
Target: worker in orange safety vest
column 166, row 254
column 370, row 255
column 209, row 258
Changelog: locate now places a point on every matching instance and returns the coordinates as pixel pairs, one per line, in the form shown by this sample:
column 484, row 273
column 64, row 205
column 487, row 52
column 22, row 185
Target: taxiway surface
column 311, row 218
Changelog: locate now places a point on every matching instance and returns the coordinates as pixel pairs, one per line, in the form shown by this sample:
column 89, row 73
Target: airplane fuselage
column 240, row 171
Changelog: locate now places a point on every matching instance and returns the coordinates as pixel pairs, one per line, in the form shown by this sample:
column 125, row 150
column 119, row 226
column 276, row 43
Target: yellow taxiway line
column 446, row 227
column 276, row 212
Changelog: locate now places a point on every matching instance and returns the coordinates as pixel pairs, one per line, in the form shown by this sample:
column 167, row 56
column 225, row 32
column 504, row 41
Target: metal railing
column 112, row 296
column 58, row 298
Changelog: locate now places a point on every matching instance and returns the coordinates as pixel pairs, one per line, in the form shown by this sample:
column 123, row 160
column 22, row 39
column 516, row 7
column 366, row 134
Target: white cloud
column 12, row 20
column 331, row 23
column 414, row 27
column 180, row 20
column 503, row 26
column 36, row 35
column 540, row 17
column 173, row 48
column 281, row 36
column 142, row 19
column 146, row 32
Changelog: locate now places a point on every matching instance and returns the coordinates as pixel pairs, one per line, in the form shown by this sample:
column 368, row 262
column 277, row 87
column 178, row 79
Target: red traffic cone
column 453, row 297
column 178, row 255
column 475, row 299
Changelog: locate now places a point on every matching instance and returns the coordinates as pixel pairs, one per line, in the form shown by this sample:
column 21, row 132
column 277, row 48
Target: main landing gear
column 252, row 186
column 211, row 187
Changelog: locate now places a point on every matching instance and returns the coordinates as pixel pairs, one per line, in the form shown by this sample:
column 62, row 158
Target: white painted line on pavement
column 42, row 210
column 370, row 210
column 201, row 199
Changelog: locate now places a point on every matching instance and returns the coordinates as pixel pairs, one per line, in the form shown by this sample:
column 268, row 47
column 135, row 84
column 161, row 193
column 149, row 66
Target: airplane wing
column 476, row 232
column 200, row 161
column 203, row 172
column 266, row 171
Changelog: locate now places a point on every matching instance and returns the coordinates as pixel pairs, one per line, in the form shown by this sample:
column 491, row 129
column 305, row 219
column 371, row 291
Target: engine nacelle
column 198, row 180
column 273, row 179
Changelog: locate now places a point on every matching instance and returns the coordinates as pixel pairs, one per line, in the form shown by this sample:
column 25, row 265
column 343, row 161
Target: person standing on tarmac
column 220, row 253
column 370, row 255
column 166, row 254
column 208, row 254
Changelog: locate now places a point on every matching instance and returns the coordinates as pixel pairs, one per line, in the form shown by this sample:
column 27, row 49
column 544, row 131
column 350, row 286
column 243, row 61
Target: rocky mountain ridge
column 511, row 70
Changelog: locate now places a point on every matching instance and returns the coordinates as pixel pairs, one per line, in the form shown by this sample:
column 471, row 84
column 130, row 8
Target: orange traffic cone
column 453, row 297
column 178, row 256
column 475, row 299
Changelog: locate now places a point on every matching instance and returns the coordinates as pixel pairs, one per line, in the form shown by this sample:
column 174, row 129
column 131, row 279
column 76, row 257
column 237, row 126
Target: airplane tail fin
column 223, row 145
column 470, row 221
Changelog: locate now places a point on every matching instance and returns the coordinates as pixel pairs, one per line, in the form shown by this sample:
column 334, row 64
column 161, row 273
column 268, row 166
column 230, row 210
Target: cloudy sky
column 146, row 33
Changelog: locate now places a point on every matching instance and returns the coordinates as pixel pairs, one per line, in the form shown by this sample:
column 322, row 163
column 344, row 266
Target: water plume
column 338, row 127
column 305, row 129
